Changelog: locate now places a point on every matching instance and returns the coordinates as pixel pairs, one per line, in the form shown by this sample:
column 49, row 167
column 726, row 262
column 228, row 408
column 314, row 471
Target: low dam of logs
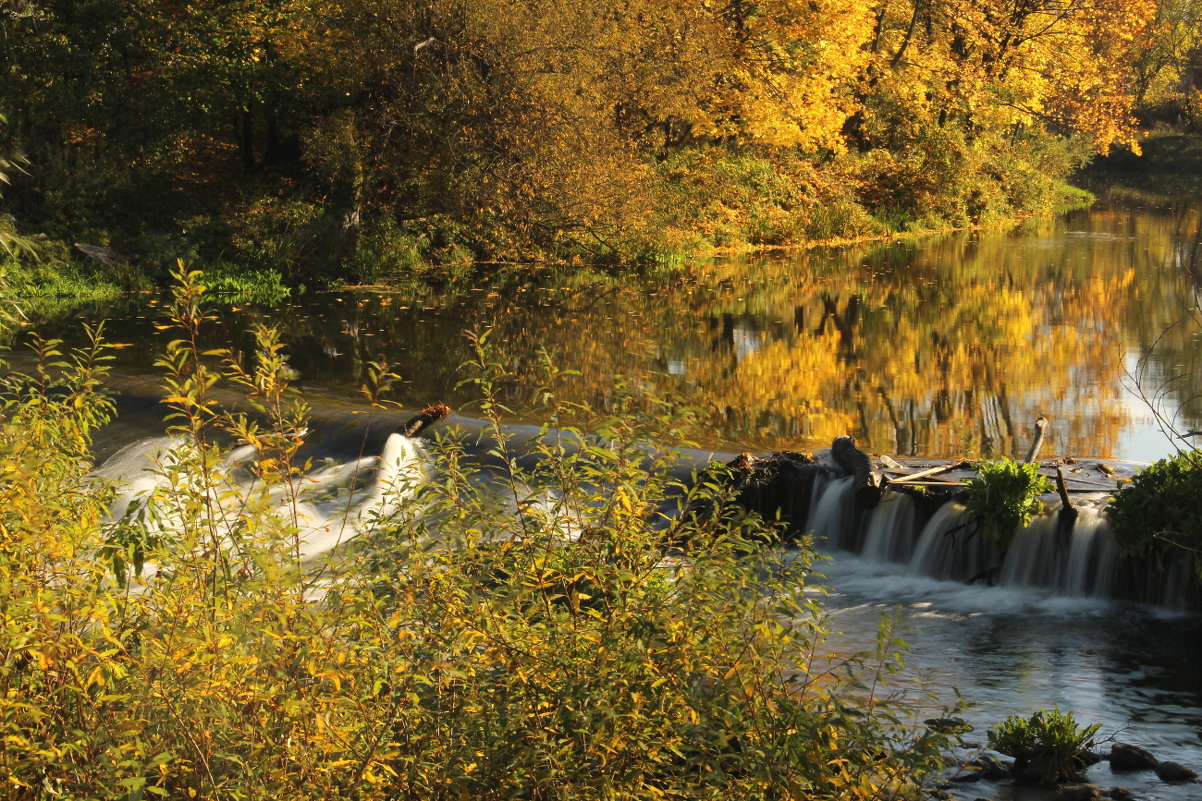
column 911, row 517
column 915, row 517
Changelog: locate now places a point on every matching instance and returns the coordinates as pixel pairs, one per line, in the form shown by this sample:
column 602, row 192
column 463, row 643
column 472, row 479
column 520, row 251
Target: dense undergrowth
column 526, row 637
column 709, row 199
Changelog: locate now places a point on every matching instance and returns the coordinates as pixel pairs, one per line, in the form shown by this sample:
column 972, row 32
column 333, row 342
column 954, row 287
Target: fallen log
column 423, row 420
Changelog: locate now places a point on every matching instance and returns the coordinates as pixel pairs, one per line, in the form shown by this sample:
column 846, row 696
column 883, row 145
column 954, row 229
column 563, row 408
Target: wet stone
column 1080, row 792
column 983, row 767
column 947, row 725
column 1175, row 772
column 1131, row 757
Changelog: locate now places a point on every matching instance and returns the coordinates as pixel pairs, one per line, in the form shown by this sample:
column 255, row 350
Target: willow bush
column 518, row 630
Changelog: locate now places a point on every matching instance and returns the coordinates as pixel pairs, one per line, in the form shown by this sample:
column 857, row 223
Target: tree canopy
column 621, row 129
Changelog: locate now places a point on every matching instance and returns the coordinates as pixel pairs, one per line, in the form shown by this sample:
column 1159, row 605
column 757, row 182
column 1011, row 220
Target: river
column 934, row 347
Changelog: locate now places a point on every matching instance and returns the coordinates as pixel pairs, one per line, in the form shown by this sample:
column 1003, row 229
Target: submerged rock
column 1080, row 792
column 983, row 767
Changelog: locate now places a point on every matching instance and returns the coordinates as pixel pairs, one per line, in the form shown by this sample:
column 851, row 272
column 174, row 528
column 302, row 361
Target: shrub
column 1157, row 513
column 528, row 636
column 233, row 284
column 385, row 250
column 1049, row 746
column 1004, row 496
column 292, row 236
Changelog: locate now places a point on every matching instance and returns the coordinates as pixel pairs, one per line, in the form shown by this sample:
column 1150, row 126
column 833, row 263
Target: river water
column 938, row 347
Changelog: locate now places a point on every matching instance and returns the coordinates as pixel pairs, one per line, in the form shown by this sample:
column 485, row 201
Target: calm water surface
column 935, row 347
column 1003, row 650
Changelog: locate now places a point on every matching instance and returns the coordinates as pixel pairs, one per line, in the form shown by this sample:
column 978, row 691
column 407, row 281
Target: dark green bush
column 1158, row 513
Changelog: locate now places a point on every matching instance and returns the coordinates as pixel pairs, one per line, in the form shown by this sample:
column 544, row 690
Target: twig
column 934, row 471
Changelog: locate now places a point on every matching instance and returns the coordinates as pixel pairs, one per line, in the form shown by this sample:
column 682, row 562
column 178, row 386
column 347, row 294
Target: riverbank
column 250, row 255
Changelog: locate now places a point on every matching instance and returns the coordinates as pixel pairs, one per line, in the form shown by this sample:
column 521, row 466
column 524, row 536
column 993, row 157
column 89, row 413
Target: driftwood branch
column 1041, row 424
column 1068, row 513
column 934, row 471
column 1064, row 492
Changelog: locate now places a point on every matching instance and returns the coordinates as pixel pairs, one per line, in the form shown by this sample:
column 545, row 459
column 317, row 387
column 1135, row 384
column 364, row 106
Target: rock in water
column 948, row 725
column 1080, row 792
column 856, row 462
column 1131, row 757
column 1175, row 772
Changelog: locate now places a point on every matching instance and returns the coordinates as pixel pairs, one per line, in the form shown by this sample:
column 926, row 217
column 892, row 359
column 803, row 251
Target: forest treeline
column 353, row 141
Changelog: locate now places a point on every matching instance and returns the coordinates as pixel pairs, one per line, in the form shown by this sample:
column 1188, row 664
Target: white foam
column 156, row 480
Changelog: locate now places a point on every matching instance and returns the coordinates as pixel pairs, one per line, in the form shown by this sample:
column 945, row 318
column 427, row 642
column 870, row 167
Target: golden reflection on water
column 936, row 347
column 929, row 348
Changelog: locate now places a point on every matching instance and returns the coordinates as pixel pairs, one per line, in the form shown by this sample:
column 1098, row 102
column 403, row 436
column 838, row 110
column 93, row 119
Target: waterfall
column 1037, row 555
column 890, row 532
column 832, row 515
column 1082, row 560
column 155, row 479
column 950, row 547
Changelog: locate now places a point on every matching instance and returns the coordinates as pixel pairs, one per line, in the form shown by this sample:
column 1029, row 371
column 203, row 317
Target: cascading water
column 951, row 548
column 890, row 530
column 326, row 507
column 1093, row 552
column 832, row 514
column 1083, row 560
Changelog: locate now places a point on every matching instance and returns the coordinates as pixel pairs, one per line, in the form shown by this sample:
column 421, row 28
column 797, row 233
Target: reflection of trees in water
column 932, row 347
